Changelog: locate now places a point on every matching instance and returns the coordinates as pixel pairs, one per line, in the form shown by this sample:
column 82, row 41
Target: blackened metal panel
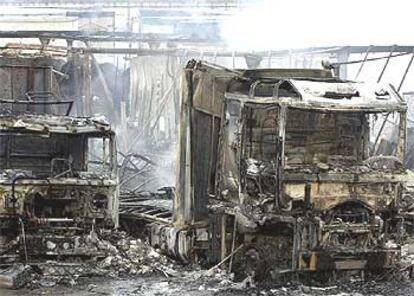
column 5, row 83
column 202, row 139
column 202, row 100
column 19, row 82
column 182, row 196
column 215, row 131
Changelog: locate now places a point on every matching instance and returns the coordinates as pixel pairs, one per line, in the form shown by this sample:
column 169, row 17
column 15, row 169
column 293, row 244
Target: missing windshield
column 55, row 155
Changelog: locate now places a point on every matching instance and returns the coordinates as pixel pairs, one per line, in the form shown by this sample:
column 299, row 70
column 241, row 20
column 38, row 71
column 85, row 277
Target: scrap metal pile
column 115, row 254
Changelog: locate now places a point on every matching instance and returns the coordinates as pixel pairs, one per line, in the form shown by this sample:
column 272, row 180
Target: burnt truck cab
column 58, row 180
column 304, row 167
column 277, row 169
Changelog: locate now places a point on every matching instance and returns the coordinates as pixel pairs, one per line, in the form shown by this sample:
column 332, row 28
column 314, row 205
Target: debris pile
column 407, row 259
column 15, row 276
column 122, row 256
column 132, row 256
column 146, row 172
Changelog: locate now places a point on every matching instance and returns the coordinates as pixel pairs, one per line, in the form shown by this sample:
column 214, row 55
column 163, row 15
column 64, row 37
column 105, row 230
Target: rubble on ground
column 15, row 276
column 123, row 256
column 131, row 256
column 126, row 256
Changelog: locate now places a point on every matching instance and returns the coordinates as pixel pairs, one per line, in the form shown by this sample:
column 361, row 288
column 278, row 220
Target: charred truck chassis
column 276, row 173
column 58, row 174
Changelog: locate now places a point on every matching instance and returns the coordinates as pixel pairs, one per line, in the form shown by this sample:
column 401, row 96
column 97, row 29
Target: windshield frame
column 111, row 163
column 283, row 119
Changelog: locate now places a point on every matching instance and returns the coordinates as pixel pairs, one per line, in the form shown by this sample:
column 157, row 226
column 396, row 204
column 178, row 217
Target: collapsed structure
column 276, row 173
column 58, row 174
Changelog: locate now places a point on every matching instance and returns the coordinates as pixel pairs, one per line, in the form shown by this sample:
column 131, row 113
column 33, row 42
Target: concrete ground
column 191, row 286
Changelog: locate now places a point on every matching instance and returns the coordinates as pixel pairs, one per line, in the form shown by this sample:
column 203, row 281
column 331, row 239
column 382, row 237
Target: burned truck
column 276, row 173
column 58, row 174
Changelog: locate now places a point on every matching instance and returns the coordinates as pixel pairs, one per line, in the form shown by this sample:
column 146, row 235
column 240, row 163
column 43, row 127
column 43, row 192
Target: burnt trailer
column 58, row 176
column 276, row 173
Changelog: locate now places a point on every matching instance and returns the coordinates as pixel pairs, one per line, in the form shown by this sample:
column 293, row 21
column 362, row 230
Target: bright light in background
column 305, row 23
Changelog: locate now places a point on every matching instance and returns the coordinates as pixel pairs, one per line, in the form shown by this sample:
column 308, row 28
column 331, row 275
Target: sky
column 304, row 23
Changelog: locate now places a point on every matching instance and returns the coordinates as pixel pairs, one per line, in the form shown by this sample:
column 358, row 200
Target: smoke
column 271, row 24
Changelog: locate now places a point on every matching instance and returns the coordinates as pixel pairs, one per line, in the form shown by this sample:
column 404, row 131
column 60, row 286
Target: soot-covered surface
column 193, row 285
